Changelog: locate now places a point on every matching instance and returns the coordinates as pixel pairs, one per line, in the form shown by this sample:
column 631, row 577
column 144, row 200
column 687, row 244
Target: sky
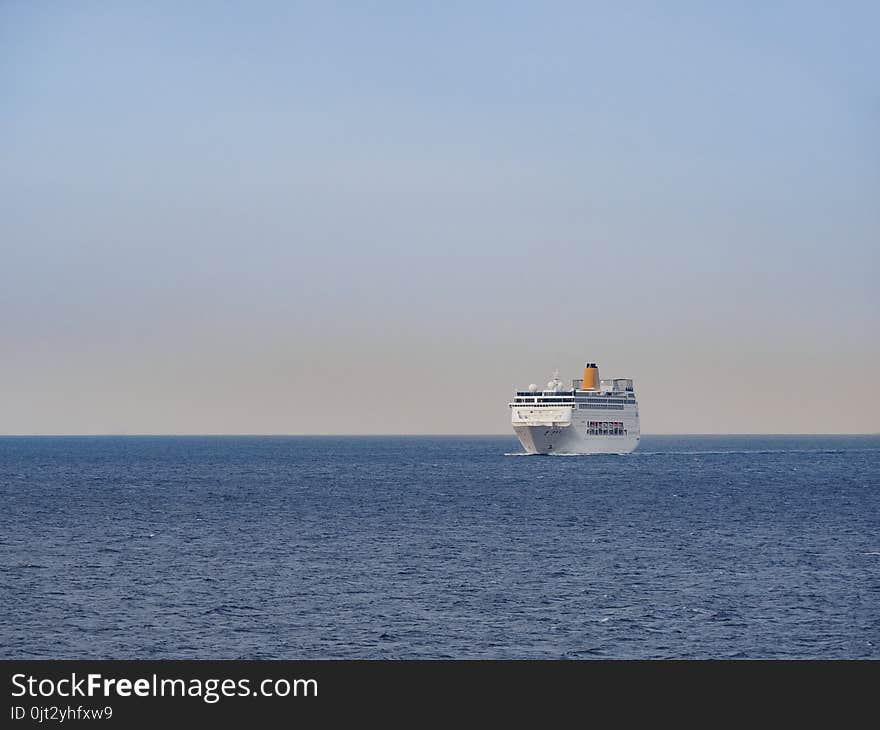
column 383, row 217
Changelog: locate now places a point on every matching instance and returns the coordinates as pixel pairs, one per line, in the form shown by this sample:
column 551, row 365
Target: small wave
column 230, row 610
column 591, row 651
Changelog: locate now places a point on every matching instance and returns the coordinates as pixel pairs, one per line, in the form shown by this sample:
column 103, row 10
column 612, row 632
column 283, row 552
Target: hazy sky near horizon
column 279, row 217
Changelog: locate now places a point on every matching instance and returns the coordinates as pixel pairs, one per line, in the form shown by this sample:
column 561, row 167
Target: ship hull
column 548, row 439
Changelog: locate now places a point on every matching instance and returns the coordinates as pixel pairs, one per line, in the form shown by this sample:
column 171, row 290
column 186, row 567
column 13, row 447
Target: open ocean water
column 319, row 547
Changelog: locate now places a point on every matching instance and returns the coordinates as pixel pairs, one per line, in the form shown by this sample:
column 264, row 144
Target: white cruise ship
column 592, row 417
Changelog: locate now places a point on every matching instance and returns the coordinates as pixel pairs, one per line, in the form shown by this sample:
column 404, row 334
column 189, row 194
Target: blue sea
column 402, row 547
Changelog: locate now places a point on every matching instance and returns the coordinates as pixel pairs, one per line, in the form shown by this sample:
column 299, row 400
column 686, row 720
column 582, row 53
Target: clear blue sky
column 212, row 214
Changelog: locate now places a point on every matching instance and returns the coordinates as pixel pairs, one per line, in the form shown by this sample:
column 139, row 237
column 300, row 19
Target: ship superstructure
column 592, row 417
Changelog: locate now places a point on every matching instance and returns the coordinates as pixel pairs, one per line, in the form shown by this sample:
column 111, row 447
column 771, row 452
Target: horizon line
column 382, row 435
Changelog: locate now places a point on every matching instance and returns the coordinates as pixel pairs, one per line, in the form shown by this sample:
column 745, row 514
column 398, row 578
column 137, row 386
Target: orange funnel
column 591, row 377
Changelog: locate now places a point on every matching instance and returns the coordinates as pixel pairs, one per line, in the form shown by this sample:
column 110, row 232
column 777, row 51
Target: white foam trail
column 558, row 453
column 639, row 452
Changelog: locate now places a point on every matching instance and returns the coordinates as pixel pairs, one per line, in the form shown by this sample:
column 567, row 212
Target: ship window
column 606, row 428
